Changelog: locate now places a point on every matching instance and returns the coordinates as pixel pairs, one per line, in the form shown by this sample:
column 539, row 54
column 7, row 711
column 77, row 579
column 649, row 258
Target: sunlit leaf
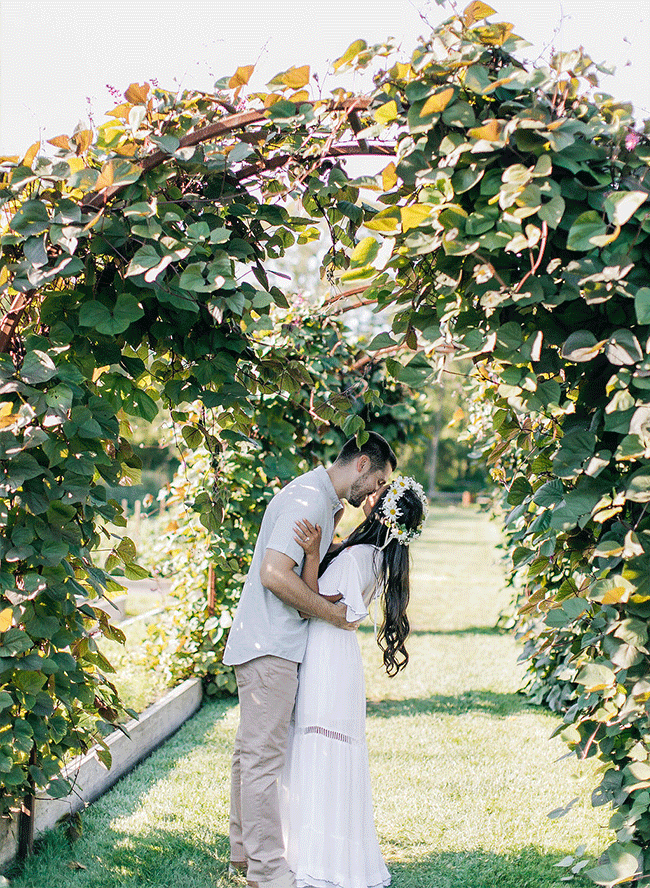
column 60, row 142
column 414, row 215
column 389, row 177
column 30, row 154
column 386, row 112
column 137, row 93
column 490, row 131
column 120, row 111
column 350, row 53
column 438, row 101
column 494, row 35
column 475, row 12
column 83, row 140
column 6, row 617
column 241, row 76
column 621, row 205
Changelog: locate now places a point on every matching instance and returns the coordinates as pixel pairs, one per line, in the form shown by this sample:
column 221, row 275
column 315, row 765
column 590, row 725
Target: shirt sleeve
column 349, row 576
column 282, row 536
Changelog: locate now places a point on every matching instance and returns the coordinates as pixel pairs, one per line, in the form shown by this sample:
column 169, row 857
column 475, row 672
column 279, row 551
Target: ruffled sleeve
column 350, row 575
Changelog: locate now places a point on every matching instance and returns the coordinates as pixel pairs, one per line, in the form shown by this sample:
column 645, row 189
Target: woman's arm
column 308, row 537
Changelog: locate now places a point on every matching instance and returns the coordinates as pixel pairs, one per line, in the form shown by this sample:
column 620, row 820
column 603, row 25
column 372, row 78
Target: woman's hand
column 371, row 500
column 308, row 537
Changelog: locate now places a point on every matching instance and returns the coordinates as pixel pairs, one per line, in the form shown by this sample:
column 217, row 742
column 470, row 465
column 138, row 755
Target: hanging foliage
column 510, row 224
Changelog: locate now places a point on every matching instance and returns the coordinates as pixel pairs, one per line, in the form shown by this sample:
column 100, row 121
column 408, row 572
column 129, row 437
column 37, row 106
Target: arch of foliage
column 511, row 224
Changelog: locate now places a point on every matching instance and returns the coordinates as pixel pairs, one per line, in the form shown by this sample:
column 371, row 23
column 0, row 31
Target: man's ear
column 363, row 463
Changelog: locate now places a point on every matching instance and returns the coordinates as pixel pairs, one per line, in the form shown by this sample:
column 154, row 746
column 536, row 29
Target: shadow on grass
column 487, row 702
column 368, row 629
column 527, row 868
column 107, row 856
column 159, row 858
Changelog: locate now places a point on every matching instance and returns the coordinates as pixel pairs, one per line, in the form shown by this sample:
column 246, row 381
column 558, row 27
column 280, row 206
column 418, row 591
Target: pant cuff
column 285, row 881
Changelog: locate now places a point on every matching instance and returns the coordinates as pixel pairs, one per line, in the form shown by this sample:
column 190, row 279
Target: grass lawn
column 463, row 771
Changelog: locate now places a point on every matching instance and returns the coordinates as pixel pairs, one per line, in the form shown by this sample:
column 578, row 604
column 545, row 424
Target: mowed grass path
column 463, row 771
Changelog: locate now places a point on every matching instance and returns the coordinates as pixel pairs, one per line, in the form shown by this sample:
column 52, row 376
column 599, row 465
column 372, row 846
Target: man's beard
column 358, row 492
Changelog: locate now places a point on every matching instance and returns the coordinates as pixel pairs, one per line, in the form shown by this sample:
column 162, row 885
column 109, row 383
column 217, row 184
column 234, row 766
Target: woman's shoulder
column 362, row 555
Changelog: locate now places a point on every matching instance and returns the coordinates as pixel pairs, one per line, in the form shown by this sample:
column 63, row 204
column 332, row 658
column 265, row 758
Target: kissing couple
column 301, row 806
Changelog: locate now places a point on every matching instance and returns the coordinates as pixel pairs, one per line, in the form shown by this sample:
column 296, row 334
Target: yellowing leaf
column 75, row 164
column 414, row 215
column 386, row 220
column 121, row 111
column 490, row 131
column 438, row 102
column 7, row 415
column 31, row 153
column 494, row 35
column 475, row 12
column 296, row 77
column 6, row 616
column 9, row 158
column 401, row 71
column 271, row 99
column 60, row 141
column 106, row 177
column 389, row 177
column 386, row 113
column 350, row 53
column 241, row 76
column 459, row 414
column 128, row 149
column 613, row 596
column 300, row 96
column 82, row 140
column 137, row 93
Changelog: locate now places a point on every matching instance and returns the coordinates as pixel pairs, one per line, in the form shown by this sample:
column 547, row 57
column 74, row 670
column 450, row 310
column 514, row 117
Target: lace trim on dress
column 333, row 735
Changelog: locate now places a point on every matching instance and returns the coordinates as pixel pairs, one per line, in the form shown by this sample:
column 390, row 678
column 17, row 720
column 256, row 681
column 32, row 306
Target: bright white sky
column 59, row 55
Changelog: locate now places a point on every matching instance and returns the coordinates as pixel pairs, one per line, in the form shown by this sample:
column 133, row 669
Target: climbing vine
column 509, row 224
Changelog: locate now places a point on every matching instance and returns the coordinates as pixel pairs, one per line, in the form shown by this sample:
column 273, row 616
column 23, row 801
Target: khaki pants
column 267, row 691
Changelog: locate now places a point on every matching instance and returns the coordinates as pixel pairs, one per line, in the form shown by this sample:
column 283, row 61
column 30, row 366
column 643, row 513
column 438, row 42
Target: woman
column 328, row 820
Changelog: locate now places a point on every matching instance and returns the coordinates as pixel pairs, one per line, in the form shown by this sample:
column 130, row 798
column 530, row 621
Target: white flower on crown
column 391, row 512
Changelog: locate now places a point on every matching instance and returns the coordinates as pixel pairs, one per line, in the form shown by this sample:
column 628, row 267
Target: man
column 267, row 642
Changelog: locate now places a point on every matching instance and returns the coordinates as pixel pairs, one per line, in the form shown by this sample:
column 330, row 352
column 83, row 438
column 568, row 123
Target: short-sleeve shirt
column 263, row 624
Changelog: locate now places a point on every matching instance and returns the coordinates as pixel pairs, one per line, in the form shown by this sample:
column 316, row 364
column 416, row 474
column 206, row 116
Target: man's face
column 367, row 483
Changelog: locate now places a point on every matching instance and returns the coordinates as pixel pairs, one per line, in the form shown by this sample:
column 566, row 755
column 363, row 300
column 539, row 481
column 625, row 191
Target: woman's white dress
column 328, row 819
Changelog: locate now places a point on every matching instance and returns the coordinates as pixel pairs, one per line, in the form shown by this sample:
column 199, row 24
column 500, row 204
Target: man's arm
column 277, row 574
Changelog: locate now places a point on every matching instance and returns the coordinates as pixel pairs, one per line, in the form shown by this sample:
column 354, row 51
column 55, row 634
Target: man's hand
column 339, row 617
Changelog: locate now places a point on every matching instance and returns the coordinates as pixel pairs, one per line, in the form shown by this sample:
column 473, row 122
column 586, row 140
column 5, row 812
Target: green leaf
column 637, row 488
column 32, row 218
column 621, row 205
column 581, row 346
column 623, row 348
column 125, row 311
column 519, row 490
column 147, row 257
column 620, row 864
column 596, row 677
column 586, row 232
column 37, row 367
column 552, row 212
column 642, row 305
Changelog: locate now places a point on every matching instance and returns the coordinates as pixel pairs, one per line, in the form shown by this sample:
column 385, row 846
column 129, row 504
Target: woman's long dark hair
column 392, row 565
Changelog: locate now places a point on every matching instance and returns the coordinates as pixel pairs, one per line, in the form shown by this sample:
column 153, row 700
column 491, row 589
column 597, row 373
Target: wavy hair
column 392, row 572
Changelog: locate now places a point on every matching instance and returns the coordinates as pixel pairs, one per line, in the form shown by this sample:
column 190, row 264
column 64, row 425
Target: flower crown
column 391, row 513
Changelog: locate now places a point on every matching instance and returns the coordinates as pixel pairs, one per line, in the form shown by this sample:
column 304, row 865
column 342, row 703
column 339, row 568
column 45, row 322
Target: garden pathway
column 463, row 771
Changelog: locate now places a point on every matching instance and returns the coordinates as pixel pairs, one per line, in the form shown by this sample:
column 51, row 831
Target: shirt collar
column 328, row 487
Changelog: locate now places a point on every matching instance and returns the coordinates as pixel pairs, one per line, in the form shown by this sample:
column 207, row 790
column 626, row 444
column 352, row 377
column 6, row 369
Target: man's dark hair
column 376, row 447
